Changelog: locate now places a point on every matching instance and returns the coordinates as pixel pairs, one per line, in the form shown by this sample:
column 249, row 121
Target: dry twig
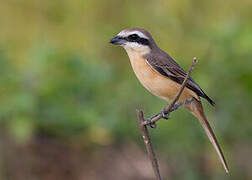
column 143, row 124
column 148, row 145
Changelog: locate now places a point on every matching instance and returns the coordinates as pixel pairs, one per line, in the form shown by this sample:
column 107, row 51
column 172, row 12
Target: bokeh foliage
column 59, row 76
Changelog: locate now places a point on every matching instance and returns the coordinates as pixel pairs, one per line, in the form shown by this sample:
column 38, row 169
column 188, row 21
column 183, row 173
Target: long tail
column 195, row 107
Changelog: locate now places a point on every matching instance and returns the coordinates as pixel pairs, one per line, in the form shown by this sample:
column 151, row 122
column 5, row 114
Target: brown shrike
column 162, row 76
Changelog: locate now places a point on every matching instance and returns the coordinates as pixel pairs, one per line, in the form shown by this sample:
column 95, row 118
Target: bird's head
column 134, row 40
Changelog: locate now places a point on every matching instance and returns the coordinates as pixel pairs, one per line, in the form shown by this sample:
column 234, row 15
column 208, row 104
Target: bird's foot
column 164, row 114
column 151, row 124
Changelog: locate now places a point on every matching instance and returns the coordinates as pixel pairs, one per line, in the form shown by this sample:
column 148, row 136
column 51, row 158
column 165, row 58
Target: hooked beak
column 117, row 40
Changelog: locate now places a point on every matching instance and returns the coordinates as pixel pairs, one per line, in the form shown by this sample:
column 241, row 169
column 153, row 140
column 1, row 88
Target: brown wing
column 166, row 66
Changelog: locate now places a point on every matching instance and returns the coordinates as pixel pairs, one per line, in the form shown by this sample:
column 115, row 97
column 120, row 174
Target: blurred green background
column 68, row 98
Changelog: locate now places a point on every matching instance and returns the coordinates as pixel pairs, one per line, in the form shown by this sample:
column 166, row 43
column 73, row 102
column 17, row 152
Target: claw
column 151, row 124
column 165, row 115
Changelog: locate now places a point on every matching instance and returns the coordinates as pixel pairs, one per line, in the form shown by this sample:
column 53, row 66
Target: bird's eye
column 133, row 37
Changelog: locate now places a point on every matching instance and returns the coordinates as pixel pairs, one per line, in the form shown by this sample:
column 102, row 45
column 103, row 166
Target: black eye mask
column 137, row 39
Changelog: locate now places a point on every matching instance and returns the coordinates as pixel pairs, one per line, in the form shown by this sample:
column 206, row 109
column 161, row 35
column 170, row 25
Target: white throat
column 135, row 49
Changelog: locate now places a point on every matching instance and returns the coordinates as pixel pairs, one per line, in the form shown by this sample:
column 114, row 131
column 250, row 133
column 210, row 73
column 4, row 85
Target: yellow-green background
column 68, row 98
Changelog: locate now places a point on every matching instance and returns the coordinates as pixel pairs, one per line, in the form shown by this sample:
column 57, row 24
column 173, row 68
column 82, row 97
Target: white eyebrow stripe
column 126, row 33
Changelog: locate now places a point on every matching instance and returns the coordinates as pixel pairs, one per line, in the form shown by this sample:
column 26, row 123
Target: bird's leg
column 164, row 114
column 175, row 107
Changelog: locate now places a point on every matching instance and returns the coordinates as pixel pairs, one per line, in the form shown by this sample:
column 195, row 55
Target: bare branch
column 143, row 124
column 148, row 144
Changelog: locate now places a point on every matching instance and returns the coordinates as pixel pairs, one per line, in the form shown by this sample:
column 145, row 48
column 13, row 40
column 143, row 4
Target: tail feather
column 209, row 99
column 195, row 107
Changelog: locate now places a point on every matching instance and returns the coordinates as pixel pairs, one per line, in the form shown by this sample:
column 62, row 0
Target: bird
column 160, row 74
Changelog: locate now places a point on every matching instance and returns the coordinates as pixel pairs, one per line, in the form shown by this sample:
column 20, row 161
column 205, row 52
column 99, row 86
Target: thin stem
column 148, row 145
